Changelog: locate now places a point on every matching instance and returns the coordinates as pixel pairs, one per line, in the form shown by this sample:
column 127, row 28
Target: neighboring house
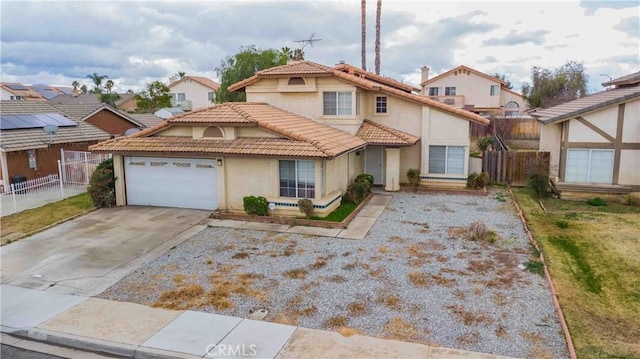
column 26, row 150
column 49, row 92
column 464, row 87
column 383, row 112
column 76, row 98
column 168, row 112
column 146, row 119
column 595, row 140
column 18, row 92
column 213, row 157
column 193, row 92
column 127, row 102
column 101, row 115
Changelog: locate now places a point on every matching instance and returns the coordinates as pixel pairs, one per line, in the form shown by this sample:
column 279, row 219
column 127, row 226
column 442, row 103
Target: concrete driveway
column 89, row 254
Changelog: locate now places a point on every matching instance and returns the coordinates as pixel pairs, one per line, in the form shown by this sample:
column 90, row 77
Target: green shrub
column 596, row 202
column 306, row 206
column 256, row 205
column 364, row 177
column 102, row 185
column 484, row 143
column 535, row 267
column 413, row 175
column 478, row 181
column 357, row 191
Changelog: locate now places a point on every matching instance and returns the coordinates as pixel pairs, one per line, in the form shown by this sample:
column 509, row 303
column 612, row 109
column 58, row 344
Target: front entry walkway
column 356, row 229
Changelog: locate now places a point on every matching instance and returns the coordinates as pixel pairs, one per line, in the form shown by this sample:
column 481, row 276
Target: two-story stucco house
column 193, row 92
column 464, row 87
column 594, row 141
column 307, row 132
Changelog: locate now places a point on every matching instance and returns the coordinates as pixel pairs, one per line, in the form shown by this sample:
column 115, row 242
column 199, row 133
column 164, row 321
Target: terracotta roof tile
column 377, row 134
column 199, row 79
column 312, row 68
column 463, row 67
column 376, row 78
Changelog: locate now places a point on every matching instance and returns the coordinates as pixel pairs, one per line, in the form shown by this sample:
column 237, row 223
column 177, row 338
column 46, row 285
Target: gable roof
column 23, row 91
column 301, row 136
column 464, row 67
column 82, row 111
column 70, row 99
column 376, row 78
column 577, row 107
column 146, row 119
column 377, row 134
column 33, row 138
column 308, row 68
column 46, row 91
column 630, row 79
column 199, row 79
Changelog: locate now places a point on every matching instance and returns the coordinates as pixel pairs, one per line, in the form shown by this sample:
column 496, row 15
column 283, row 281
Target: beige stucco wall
column 605, row 119
column 409, row 159
column 550, row 140
column 507, row 96
column 248, row 177
column 631, row 130
column 476, row 89
column 176, row 131
column 629, row 167
column 195, row 92
column 254, row 132
column 118, row 173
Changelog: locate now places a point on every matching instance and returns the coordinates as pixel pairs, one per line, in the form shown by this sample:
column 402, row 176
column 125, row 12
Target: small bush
column 477, row 231
column 306, row 207
column 256, row 205
column 596, row 202
column 364, row 177
column 535, row 267
column 413, row 175
column 632, row 200
column 484, row 143
column 357, row 191
column 478, row 181
column 102, row 185
column 538, row 173
column 562, row 224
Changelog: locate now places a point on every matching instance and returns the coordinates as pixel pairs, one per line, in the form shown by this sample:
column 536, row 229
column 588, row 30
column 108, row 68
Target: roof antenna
column 309, row 41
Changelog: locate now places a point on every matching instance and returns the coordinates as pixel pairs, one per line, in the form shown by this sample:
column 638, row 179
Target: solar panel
column 14, row 122
column 16, row 87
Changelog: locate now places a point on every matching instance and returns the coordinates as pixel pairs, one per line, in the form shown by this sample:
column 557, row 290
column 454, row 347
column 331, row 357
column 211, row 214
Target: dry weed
column 468, row 339
column 356, row 309
column 320, row 262
column 459, row 294
column 179, row 298
column 299, row 273
column 501, row 332
column 468, row 317
column 534, row 338
column 391, row 301
column 348, row 332
column 240, row 255
column 399, row 329
column 397, row 239
column 335, row 322
column 440, row 280
column 418, row 279
column 499, row 299
column 382, row 249
column 336, row 278
column 283, row 318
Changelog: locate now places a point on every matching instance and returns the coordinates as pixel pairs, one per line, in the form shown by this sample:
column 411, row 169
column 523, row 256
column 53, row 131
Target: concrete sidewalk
column 356, row 229
column 136, row 331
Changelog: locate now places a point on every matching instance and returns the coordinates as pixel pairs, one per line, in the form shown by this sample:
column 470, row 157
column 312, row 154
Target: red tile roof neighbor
column 308, row 68
column 377, row 134
column 301, row 136
column 199, row 79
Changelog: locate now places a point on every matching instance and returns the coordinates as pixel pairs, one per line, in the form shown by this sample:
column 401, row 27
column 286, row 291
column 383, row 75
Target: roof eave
column 573, row 114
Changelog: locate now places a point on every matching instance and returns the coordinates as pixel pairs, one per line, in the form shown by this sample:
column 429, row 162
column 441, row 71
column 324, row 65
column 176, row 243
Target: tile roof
column 146, row 119
column 571, row 109
column 199, row 79
column 46, row 91
column 312, row 68
column 70, row 99
column 630, row 79
column 27, row 94
column 377, row 134
column 81, row 111
column 302, row 136
column 376, row 78
column 25, row 139
column 464, row 67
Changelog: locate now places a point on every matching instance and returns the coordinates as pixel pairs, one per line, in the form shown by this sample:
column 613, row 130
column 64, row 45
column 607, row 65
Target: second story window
column 450, row 91
column 381, row 104
column 211, row 96
column 337, row 104
column 434, row 91
column 495, row 90
column 181, row 96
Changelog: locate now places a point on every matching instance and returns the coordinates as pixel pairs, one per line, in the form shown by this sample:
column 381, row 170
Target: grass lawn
column 18, row 224
column 340, row 213
column 593, row 255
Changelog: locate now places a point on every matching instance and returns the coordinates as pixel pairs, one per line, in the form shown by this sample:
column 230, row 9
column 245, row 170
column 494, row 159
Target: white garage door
column 171, row 182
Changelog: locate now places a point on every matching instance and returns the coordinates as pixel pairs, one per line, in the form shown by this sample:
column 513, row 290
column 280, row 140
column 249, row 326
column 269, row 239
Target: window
column 450, row 91
column 511, row 109
column 16, row 97
column 212, row 132
column 446, row 159
column 31, row 154
column 381, row 104
column 211, row 96
column 181, row 96
column 434, row 91
column 589, row 166
column 297, row 179
column 337, row 104
column 296, row 81
column 495, row 90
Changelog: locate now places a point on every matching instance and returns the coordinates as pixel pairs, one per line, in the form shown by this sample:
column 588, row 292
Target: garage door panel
column 171, row 182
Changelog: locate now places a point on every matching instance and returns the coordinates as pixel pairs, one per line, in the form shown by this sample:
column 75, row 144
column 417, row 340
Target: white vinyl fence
column 74, row 171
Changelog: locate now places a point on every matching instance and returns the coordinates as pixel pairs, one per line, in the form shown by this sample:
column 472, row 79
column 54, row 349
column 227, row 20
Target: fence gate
column 513, row 167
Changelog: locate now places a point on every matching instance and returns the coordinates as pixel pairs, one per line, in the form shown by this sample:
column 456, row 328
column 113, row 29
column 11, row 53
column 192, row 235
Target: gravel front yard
column 413, row 278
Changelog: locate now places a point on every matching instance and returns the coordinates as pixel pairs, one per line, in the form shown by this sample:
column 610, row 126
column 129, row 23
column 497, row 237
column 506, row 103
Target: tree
column 84, row 89
column 294, row 55
column 363, row 25
column 97, row 82
column 503, row 77
column 155, row 96
column 109, row 85
column 244, row 65
column 110, row 98
column 76, row 85
column 378, row 14
column 181, row 74
column 553, row 87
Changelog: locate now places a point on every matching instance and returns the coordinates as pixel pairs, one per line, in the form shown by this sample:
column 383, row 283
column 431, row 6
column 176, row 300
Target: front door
column 373, row 163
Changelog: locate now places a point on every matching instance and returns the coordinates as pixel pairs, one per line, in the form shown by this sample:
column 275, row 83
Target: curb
column 547, row 275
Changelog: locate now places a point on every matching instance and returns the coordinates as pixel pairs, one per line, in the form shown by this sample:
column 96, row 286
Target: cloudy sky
column 135, row 42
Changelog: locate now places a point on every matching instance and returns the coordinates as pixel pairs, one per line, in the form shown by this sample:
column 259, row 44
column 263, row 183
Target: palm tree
column 97, row 82
column 75, row 84
column 298, row 55
column 109, row 85
column 378, row 11
column 181, row 74
column 286, row 53
column 363, row 24
column 84, row 89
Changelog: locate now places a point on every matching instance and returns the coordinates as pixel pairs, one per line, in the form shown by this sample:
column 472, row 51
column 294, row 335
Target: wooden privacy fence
column 513, row 167
column 525, row 129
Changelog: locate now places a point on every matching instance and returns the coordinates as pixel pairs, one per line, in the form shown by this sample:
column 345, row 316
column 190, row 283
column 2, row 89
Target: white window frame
column 384, row 106
column 494, row 90
column 567, row 175
column 450, row 91
column 211, row 96
column 343, row 105
column 298, row 190
column 181, row 96
column 447, row 169
column 434, row 91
